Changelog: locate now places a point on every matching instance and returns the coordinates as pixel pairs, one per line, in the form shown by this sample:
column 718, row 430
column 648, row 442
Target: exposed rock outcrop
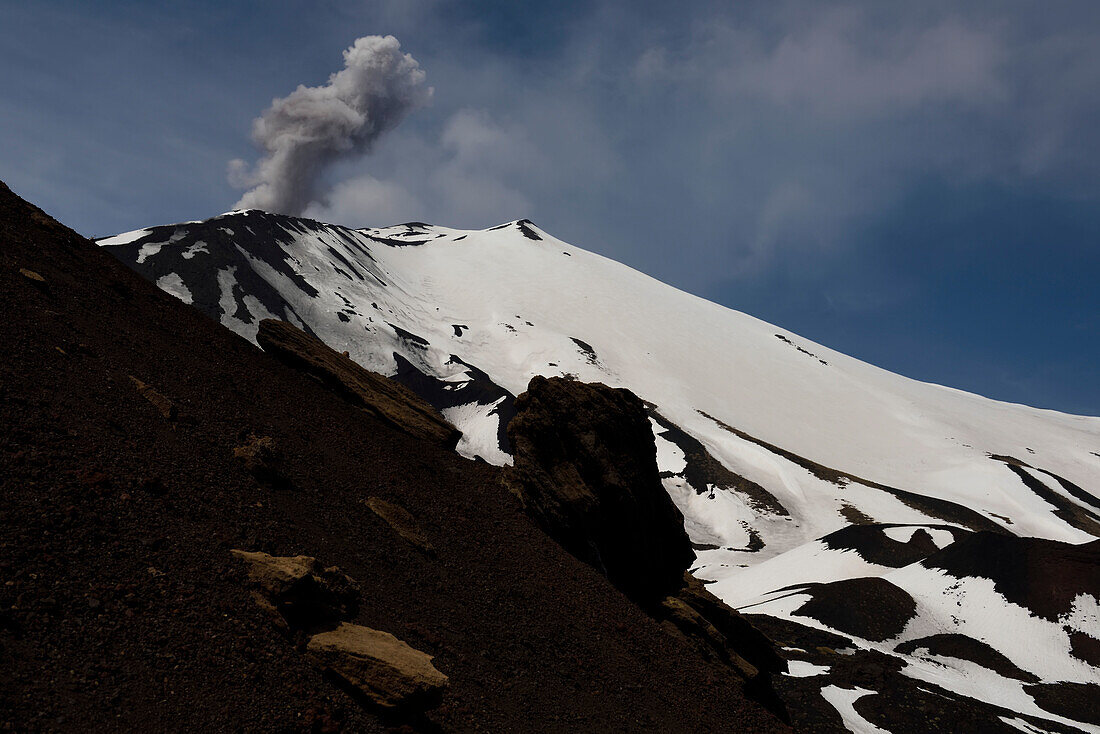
column 867, row 607
column 1043, row 576
column 680, row 617
column 383, row 398
column 121, row 607
column 739, row 636
column 388, row 672
column 586, row 471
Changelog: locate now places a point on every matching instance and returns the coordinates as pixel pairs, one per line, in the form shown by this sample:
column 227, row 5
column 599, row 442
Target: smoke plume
column 312, row 127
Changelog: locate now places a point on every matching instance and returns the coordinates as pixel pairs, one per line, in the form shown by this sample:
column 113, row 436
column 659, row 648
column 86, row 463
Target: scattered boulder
column 166, row 407
column 586, row 471
column 376, row 394
column 387, row 671
column 256, row 452
column 306, row 599
column 402, row 522
column 299, row 591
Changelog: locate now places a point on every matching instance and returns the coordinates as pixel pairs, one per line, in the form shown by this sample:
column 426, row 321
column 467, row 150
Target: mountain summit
column 836, row 501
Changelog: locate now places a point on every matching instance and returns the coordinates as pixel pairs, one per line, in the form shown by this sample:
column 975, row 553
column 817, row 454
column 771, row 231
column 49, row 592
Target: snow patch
column 843, row 700
column 195, row 249
column 148, row 250
column 123, row 239
column 479, row 432
column 670, row 458
column 803, row 669
column 173, row 284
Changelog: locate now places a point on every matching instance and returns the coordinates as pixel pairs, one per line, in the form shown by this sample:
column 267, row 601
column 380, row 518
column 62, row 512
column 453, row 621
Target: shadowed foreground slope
column 122, row 608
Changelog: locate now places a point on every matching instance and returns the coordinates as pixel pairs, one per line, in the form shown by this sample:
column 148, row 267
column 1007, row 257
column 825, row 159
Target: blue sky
column 915, row 186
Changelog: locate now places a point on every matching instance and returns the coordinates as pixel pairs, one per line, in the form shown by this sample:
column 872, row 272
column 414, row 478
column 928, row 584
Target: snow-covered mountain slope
column 766, row 441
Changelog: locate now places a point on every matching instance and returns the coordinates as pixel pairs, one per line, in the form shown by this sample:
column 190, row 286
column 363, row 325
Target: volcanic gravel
column 122, row 609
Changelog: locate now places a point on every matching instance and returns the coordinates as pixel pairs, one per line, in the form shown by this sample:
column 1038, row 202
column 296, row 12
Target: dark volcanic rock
column 739, row 634
column 875, row 546
column 378, row 395
column 586, row 471
column 1085, row 647
column 125, row 610
column 871, row 608
column 1044, row 576
column 1078, row 701
column 932, row 506
column 477, row 388
column 967, row 648
column 705, row 473
column 722, row 634
column 680, row 617
column 1084, row 514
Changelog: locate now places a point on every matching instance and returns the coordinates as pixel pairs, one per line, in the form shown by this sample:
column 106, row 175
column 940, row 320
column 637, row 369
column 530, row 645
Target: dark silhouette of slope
column 122, row 608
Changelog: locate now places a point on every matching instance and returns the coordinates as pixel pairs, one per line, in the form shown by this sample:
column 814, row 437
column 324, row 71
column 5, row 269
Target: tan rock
column 402, row 522
column 256, row 451
column 302, row 592
column 275, row 575
column 166, row 407
column 386, row 670
column 741, row 636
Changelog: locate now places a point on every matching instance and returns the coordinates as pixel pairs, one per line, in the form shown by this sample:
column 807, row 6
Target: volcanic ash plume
column 311, row 128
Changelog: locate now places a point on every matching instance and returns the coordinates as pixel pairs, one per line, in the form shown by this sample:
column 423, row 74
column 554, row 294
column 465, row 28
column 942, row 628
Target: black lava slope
column 122, row 609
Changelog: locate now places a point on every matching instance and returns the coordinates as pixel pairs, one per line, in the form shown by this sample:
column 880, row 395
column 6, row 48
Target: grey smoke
column 312, row 127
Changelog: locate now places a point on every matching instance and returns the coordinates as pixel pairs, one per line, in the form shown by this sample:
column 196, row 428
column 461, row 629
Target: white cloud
column 365, row 201
column 837, row 62
column 843, row 66
column 471, row 175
